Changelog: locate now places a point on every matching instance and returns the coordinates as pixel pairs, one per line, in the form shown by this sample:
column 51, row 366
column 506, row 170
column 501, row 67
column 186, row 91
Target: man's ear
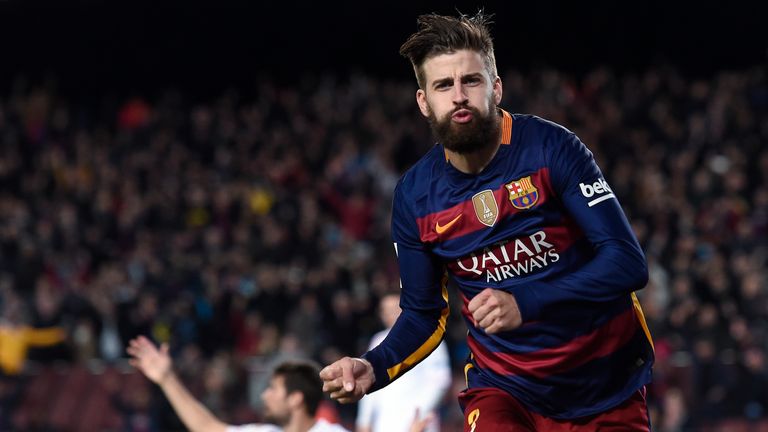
column 497, row 90
column 421, row 99
column 295, row 399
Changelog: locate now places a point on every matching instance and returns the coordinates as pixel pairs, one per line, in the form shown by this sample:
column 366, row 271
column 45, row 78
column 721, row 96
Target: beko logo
column 599, row 188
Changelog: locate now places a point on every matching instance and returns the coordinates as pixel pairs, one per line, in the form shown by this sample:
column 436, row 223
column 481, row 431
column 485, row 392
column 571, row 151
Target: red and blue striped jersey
column 541, row 223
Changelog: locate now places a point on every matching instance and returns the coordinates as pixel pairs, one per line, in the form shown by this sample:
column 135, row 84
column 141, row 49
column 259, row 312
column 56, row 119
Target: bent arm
column 618, row 266
column 424, row 301
column 420, row 327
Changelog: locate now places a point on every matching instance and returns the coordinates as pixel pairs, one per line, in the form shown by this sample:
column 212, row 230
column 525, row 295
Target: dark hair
column 439, row 34
column 302, row 377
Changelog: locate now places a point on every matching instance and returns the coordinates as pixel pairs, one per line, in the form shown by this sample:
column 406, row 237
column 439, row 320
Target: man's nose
column 459, row 95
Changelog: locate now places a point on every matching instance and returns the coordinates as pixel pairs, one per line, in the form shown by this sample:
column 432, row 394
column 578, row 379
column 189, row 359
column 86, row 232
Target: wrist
column 166, row 378
column 527, row 302
column 368, row 366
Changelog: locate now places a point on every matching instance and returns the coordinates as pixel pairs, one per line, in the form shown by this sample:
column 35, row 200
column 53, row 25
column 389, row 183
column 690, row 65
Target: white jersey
column 254, row 428
column 319, row 426
column 393, row 408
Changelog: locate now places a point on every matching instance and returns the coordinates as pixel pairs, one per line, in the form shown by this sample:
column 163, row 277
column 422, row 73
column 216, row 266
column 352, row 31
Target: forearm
column 617, row 265
column 617, row 270
column 423, row 299
column 415, row 335
column 195, row 416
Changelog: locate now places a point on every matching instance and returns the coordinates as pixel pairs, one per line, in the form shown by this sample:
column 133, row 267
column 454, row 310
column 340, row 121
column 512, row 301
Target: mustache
column 464, row 106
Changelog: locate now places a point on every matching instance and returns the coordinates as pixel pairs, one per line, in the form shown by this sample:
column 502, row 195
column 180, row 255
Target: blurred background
column 220, row 176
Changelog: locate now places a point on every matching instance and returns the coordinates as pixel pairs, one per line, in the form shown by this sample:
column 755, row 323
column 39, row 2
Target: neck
column 299, row 423
column 475, row 162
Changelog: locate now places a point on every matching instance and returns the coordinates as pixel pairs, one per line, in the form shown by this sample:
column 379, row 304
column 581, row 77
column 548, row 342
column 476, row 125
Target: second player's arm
column 157, row 366
column 196, row 417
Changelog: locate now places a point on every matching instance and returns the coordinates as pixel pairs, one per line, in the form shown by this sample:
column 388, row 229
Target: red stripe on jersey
column 465, row 305
column 461, row 219
column 549, row 361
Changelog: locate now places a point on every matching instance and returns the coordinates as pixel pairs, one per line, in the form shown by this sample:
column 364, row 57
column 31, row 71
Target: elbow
column 640, row 274
column 642, row 278
column 633, row 267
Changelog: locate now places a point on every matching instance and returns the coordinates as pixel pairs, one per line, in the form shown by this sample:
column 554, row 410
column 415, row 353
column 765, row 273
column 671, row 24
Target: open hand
column 420, row 424
column 152, row 362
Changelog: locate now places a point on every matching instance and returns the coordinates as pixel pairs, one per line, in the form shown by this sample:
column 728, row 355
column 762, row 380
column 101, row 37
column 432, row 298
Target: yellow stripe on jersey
column 641, row 318
column 431, row 343
column 467, row 367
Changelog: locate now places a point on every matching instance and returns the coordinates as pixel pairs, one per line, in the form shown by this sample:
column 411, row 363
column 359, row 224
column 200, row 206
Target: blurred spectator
column 17, row 336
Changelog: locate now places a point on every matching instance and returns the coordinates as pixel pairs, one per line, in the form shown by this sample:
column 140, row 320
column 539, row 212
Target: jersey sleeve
column 618, row 266
column 423, row 300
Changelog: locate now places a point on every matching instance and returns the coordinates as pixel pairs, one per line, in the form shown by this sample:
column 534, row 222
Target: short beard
column 277, row 419
column 480, row 133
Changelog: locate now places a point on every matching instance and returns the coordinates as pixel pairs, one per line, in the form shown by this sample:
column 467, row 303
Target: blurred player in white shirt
column 392, row 408
column 290, row 401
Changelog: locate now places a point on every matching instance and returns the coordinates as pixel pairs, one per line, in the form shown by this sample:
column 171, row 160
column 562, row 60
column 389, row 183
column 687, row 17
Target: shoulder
column 554, row 142
column 530, row 127
column 254, row 428
column 534, row 123
column 413, row 188
column 430, row 165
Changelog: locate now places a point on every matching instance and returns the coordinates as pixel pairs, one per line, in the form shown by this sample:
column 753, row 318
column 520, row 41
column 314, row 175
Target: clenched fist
column 495, row 311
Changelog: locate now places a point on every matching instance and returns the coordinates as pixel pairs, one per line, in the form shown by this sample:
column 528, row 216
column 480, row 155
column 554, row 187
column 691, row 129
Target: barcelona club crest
column 522, row 193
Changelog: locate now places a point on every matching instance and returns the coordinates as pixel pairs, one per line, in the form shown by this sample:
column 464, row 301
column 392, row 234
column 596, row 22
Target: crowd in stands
column 249, row 228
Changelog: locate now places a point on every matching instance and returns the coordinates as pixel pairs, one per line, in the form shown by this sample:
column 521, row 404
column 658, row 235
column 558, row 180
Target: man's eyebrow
column 472, row 75
column 439, row 81
column 449, row 80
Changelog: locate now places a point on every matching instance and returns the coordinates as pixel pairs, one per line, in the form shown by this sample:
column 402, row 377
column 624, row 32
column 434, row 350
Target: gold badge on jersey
column 522, row 193
column 486, row 209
